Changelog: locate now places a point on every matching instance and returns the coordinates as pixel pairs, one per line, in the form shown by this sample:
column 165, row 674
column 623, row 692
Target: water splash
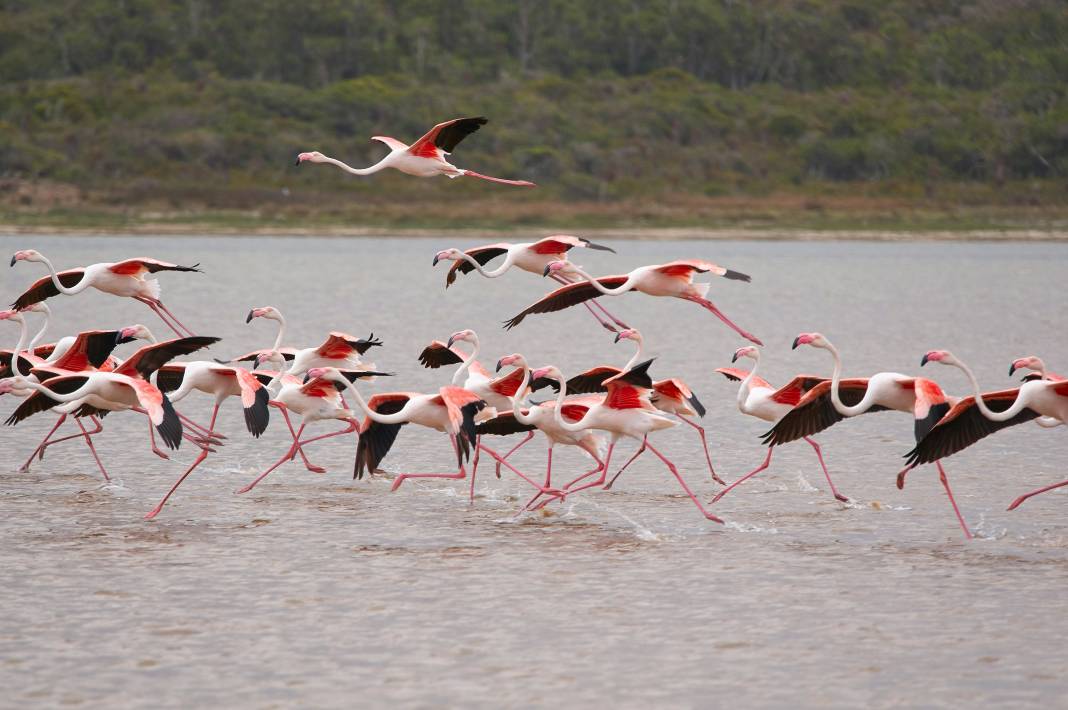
column 804, row 486
column 749, row 528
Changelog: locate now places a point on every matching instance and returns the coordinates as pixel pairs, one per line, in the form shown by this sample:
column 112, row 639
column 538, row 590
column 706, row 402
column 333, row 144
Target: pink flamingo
column 528, row 256
column 425, row 157
column 674, row 279
column 339, row 350
column 829, row 402
column 521, row 418
column 980, row 415
column 757, row 398
column 124, row 278
column 625, row 411
column 672, row 396
column 1031, row 362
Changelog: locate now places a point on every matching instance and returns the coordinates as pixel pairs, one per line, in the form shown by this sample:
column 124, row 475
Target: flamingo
column 451, row 410
column 314, row 399
column 625, row 411
column 757, row 398
column 975, row 417
column 674, row 279
column 33, row 352
column 123, row 278
column 528, row 256
column 672, row 396
column 425, row 157
column 829, row 402
column 1032, row 362
column 526, row 419
column 339, row 350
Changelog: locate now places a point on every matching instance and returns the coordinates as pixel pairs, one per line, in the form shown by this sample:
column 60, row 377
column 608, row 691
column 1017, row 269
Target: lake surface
column 321, row 591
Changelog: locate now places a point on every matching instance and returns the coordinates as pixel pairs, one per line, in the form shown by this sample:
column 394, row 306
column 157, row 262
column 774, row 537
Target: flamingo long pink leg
column 293, row 448
column 92, row 449
column 746, row 477
column 347, row 430
column 1025, row 496
column 600, row 479
column 708, row 457
column 675, row 472
column 596, row 302
column 604, row 324
column 174, row 317
column 474, row 469
column 44, row 443
column 459, row 475
column 548, row 474
column 631, row 460
column 945, row 484
column 155, row 309
column 528, row 437
column 705, row 303
column 307, row 464
column 548, row 477
column 826, row 473
column 97, row 428
column 519, row 473
column 163, row 501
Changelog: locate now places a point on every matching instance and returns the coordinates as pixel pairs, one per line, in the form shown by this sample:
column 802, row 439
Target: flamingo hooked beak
column 298, row 162
column 924, row 360
column 617, row 334
column 1012, row 369
column 794, row 346
column 435, row 260
column 734, row 357
column 544, row 273
column 452, row 340
column 14, row 258
column 249, row 317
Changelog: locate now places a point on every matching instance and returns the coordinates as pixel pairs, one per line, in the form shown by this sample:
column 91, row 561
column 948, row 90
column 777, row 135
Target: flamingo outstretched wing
column 504, row 424
column 40, row 402
column 592, row 380
column 562, row 243
column 686, row 268
column 376, row 438
column 792, row 392
column 444, row 137
column 737, row 375
column 150, row 358
column 483, row 255
column 90, row 349
column 438, row 354
column 145, row 265
column 565, row 297
column 815, row 411
column 44, row 288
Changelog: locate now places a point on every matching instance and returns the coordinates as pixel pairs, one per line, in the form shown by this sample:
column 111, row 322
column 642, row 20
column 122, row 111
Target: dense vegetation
column 206, row 102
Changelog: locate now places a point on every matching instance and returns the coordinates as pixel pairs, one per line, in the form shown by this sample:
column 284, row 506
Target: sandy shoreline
column 651, row 233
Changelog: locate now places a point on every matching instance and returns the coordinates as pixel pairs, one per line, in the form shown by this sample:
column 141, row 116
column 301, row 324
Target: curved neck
column 993, row 416
column 509, row 259
column 747, row 383
column 61, row 398
column 520, row 399
column 836, row 377
column 281, row 332
column 626, row 285
column 358, row 171
column 399, row 417
column 558, row 414
column 78, row 288
column 19, row 347
column 637, row 357
column 1041, row 368
column 44, row 326
column 458, row 376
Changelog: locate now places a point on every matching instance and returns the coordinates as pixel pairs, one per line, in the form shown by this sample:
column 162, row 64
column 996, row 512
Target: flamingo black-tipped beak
column 13, row 260
column 794, row 346
column 500, row 364
column 298, row 162
column 248, row 318
column 924, row 361
column 617, row 338
column 734, row 357
column 451, row 341
column 1012, row 369
column 544, row 273
column 307, row 377
column 435, row 263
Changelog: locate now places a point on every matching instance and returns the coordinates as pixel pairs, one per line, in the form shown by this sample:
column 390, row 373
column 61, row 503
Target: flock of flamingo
column 79, row 377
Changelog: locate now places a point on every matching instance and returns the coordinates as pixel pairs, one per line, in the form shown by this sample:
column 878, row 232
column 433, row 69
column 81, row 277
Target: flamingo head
column 1027, row 363
column 816, row 340
column 269, row 312
column 629, row 334
column 327, row 373
column 468, row 336
column 943, row 356
column 134, row 332
column 12, row 315
column 272, row 357
column 448, row 254
column 513, row 359
column 550, row 372
column 748, row 351
column 312, row 157
column 26, row 255
column 555, row 267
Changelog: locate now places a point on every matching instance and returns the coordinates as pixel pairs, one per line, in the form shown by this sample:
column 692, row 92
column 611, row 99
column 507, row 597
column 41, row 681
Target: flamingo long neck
column 44, row 327
column 461, row 371
column 836, row 377
column 520, row 399
column 626, row 285
column 56, row 396
column 19, row 347
column 399, row 417
column 637, row 357
column 559, row 417
column 380, row 165
column 78, row 287
column 1017, row 406
column 281, row 332
column 747, row 383
column 1040, row 367
column 509, row 259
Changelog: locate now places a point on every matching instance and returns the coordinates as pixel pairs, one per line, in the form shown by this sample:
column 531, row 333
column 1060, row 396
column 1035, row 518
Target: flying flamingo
column 124, row 278
column 625, row 411
column 528, row 256
column 829, row 402
column 672, row 396
column 339, row 350
column 521, row 418
column 975, row 417
column 757, row 398
column 674, row 279
column 425, row 157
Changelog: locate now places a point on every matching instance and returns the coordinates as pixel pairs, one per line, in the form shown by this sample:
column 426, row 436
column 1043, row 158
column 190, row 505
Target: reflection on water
column 321, row 590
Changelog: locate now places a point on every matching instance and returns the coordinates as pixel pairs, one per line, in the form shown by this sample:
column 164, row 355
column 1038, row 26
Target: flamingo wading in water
column 123, row 278
column 674, row 279
column 425, row 157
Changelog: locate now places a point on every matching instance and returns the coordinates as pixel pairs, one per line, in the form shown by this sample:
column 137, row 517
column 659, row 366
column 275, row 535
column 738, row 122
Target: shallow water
column 323, row 591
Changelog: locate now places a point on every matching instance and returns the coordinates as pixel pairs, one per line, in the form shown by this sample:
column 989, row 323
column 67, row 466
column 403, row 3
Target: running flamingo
column 625, row 411
column 339, row 350
column 124, row 278
column 975, row 417
column 425, row 157
column 757, row 398
column 829, row 402
column 674, row 279
column 528, row 256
